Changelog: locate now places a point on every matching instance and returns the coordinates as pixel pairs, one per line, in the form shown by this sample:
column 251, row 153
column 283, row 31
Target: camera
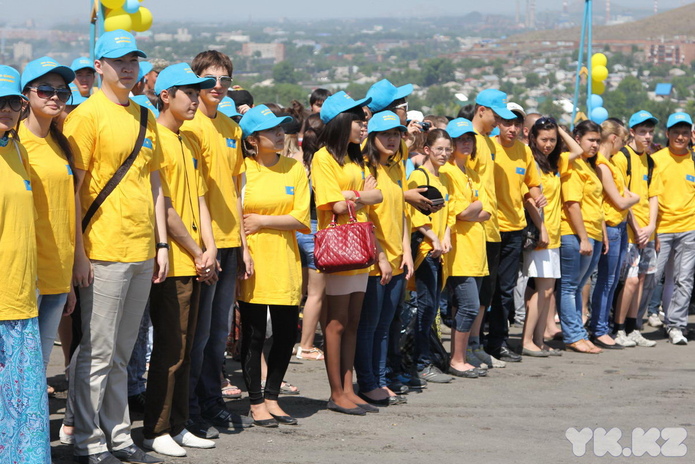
column 426, row 125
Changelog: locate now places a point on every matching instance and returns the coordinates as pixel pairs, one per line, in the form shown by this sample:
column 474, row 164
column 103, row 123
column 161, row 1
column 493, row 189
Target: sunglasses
column 46, row 92
column 545, row 120
column 225, row 81
column 14, row 102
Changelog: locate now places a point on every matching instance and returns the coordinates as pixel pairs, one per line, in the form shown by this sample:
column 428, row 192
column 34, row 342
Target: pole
column 589, row 54
column 577, row 82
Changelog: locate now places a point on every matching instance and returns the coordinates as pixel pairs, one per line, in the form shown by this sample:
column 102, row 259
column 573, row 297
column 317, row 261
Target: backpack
column 628, row 172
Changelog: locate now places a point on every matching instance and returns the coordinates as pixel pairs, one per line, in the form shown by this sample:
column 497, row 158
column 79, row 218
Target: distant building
column 22, row 51
column 672, row 53
column 276, row 51
column 182, row 35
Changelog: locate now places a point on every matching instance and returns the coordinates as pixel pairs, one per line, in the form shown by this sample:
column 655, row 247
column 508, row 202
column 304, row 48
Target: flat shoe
column 351, row 411
column 269, row 423
column 381, row 402
column 285, row 420
column 606, row 346
column 367, row 407
column 469, row 374
column 534, row 353
column 554, row 352
column 398, row 399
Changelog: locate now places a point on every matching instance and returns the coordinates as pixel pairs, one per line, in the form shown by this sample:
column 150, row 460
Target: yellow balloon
column 599, row 59
column 597, row 87
column 142, row 20
column 117, row 19
column 112, row 4
column 599, row 73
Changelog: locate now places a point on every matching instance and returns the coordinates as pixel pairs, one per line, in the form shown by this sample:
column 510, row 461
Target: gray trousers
column 678, row 250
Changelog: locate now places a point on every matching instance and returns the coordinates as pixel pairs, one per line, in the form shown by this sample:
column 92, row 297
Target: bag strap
column 424, row 171
column 628, row 171
column 650, row 169
column 119, row 174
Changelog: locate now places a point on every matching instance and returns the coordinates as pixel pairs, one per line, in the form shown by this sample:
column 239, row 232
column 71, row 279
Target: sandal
column 287, row 388
column 230, row 391
column 580, row 346
column 313, row 354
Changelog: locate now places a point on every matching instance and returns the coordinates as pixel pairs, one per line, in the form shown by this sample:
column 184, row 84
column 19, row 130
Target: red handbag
column 345, row 247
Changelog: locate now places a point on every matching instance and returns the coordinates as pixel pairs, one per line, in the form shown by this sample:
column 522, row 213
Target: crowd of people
column 166, row 202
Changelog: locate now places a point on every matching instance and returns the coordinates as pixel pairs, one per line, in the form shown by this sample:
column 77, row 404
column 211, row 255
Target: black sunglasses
column 545, row 120
column 13, row 101
column 46, row 92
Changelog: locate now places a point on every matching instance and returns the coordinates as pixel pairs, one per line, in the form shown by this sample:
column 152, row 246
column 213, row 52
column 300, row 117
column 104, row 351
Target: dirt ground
column 518, row 414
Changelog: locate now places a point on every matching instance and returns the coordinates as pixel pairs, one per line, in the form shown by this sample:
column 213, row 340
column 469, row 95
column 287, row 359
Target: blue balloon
column 596, row 101
column 599, row 114
column 131, row 6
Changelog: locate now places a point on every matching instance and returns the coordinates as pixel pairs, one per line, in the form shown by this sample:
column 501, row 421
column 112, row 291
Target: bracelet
column 357, row 195
column 161, row 245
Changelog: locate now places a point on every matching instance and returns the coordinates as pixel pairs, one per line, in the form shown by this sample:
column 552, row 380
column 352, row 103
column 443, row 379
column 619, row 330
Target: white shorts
column 543, row 263
column 337, row 284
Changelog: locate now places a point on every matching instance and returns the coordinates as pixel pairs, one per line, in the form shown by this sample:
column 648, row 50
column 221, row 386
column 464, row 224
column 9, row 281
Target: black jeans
column 428, row 280
column 253, row 329
column 503, row 300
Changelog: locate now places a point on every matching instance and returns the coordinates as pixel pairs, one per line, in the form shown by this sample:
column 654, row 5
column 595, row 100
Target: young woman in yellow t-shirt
column 275, row 199
column 339, row 176
column 45, row 84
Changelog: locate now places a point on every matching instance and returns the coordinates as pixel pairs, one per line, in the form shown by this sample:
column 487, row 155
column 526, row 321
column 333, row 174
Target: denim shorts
column 306, row 246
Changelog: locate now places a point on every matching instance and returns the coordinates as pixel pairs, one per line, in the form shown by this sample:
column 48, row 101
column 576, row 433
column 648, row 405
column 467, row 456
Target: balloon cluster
column 126, row 14
column 599, row 73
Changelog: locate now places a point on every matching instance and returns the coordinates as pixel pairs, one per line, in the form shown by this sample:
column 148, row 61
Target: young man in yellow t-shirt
column 676, row 224
column 122, row 253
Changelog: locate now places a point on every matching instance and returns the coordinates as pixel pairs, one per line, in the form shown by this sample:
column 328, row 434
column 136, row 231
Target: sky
column 47, row 12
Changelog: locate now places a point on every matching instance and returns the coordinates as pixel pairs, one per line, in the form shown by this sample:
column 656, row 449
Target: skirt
column 543, row 263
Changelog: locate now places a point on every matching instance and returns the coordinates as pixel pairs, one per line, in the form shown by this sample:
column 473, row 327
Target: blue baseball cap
column 9, row 82
column 76, row 98
column 339, row 103
column 497, row 101
column 640, row 117
column 143, row 100
column 228, row 107
column 82, row 63
column 145, row 67
column 44, row 65
column 383, row 93
column 260, row 118
column 115, row 44
column 383, row 121
column 180, row 74
column 677, row 118
column 459, row 126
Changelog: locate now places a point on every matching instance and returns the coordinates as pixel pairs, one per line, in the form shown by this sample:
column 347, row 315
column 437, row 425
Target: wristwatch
column 161, row 245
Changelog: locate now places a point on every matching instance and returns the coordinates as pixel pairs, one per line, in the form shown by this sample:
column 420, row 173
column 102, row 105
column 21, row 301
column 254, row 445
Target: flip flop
column 313, row 354
column 230, row 391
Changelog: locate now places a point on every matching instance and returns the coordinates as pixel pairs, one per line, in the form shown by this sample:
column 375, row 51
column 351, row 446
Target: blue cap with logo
column 180, row 74
column 459, row 126
column 383, row 121
column 143, row 100
column 44, row 65
column 115, row 44
column 640, row 117
column 677, row 118
column 9, row 82
column 260, row 118
column 76, row 98
column 145, row 67
column 339, row 103
column 497, row 101
column 383, row 93
column 228, row 107
column 82, row 62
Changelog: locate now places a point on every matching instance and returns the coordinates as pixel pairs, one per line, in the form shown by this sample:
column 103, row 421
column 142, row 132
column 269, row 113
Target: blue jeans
column 50, row 312
column 306, row 246
column 378, row 310
column 465, row 296
column 576, row 270
column 428, row 281
column 609, row 266
column 137, row 366
column 210, row 342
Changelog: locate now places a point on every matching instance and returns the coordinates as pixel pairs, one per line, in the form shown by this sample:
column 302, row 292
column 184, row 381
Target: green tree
column 438, row 95
column 437, row 71
column 283, row 73
column 282, row 94
column 533, row 80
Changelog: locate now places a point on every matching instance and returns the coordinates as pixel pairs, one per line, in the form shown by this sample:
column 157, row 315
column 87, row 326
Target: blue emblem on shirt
column 289, row 190
column 645, row 177
column 400, row 184
column 521, row 171
column 475, row 192
column 27, row 185
column 493, row 156
column 363, row 175
column 69, row 169
column 446, row 198
column 195, row 163
column 147, row 143
column 690, row 178
column 231, row 143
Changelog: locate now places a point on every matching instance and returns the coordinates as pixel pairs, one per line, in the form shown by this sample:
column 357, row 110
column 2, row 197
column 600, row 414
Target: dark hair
column 372, row 153
column 547, row 164
column 467, row 111
column 241, row 97
column 583, row 128
column 312, row 128
column 336, row 137
column 435, row 134
column 172, row 93
column 209, row 59
column 649, row 124
column 475, row 143
column 319, row 95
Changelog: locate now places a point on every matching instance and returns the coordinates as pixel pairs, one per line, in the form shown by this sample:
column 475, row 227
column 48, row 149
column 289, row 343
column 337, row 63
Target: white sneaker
column 65, row 438
column 491, row 361
column 165, row 445
column 622, row 339
column 637, row 337
column 675, row 335
column 654, row 321
column 186, row 438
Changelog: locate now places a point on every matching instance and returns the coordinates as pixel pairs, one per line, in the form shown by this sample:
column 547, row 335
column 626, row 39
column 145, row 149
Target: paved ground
column 519, row 414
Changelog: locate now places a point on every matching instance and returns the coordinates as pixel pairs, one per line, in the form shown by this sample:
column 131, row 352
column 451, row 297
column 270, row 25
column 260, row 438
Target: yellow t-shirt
column 613, row 215
column 437, row 221
column 514, row 167
column 102, row 135
column 220, row 142
column 281, row 189
column 553, row 211
column 677, row 201
column 388, row 215
column 468, row 256
column 54, row 197
column 639, row 175
column 183, row 183
column 484, row 165
column 18, row 256
column 581, row 184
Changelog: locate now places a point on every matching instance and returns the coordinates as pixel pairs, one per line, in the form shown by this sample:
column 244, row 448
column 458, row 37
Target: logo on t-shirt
column 521, row 171
column 493, row 156
column 690, row 178
column 645, row 177
column 400, row 184
column 446, row 198
column 195, row 163
column 147, row 143
column 27, row 185
column 231, row 143
column 69, row 169
column 289, row 190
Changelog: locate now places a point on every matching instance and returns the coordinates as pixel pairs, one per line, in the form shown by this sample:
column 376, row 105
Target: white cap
column 516, row 108
column 415, row 115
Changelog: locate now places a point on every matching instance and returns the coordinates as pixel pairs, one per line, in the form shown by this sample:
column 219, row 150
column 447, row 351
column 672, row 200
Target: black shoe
column 606, row 346
column 503, row 354
column 269, row 423
column 220, row 416
column 367, row 407
column 398, row 399
column 398, row 387
column 469, row 374
column 136, row 403
column 382, row 402
column 481, row 372
column 99, row 458
column 285, row 420
column 202, row 428
column 351, row 411
column 135, row 455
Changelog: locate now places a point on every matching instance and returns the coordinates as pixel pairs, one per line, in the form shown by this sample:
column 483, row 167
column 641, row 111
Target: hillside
column 676, row 22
